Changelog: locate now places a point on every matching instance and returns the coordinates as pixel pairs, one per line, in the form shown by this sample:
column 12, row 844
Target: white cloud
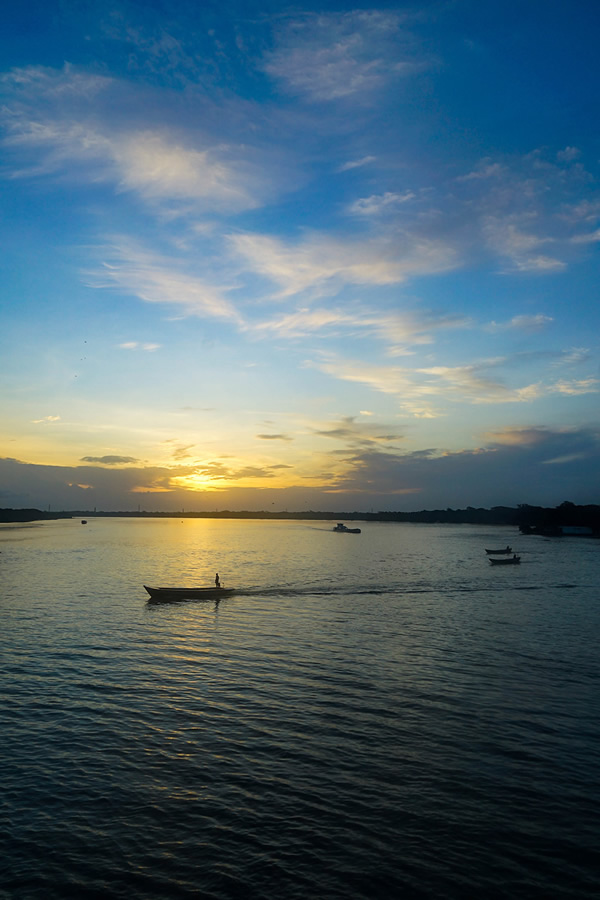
column 134, row 345
column 49, row 115
column 526, row 324
column 379, row 203
column 507, row 237
column 486, row 169
column 57, row 84
column 332, row 56
column 154, row 279
column 426, row 391
column 568, row 154
column 591, row 238
column 586, row 210
column 577, row 387
column 567, row 458
column 356, row 163
column 396, row 381
column 414, row 388
column 573, row 356
column 468, row 383
column 154, row 166
column 325, row 263
column 400, row 331
column 142, row 161
column 540, row 263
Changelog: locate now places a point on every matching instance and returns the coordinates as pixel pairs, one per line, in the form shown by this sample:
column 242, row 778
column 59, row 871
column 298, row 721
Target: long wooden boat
column 506, row 550
column 509, row 561
column 191, row 593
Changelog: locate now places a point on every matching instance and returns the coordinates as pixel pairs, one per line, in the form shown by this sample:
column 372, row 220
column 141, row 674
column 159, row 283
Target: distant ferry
column 342, row 529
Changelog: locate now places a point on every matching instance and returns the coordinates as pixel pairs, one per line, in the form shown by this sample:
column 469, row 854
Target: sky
column 333, row 257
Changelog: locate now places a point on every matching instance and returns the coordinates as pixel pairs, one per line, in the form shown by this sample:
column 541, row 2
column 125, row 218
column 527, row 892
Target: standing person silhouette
column 217, row 582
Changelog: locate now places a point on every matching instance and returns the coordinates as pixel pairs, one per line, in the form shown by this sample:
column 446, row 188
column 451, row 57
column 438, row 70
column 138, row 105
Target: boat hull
column 514, row 561
column 161, row 593
column 505, row 551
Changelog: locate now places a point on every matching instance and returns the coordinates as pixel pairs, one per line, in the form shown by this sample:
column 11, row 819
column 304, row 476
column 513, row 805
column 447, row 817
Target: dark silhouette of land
column 31, row 515
column 565, row 519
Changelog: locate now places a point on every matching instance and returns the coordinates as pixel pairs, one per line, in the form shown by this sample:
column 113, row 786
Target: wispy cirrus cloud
column 332, row 56
column 49, row 118
column 129, row 268
column 135, row 345
column 356, row 163
column 591, row 237
column 526, row 208
column 573, row 356
column 424, row 392
column 155, row 166
column 509, row 239
column 377, row 204
column 146, row 162
column 527, row 324
column 397, row 381
column 323, row 263
column 55, row 84
column 469, row 383
column 485, row 169
column 576, row 387
column 400, row 331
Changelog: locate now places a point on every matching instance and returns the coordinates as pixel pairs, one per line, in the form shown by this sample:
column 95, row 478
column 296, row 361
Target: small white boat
column 506, row 550
column 343, row 529
column 191, row 593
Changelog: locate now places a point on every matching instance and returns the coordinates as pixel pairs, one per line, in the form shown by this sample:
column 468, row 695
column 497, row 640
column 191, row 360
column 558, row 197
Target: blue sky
column 310, row 257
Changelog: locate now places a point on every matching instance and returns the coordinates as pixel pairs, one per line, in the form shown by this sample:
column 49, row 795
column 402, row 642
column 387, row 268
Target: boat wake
column 357, row 591
column 383, row 591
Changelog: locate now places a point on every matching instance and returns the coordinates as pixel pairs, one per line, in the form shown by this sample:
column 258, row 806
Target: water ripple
column 412, row 725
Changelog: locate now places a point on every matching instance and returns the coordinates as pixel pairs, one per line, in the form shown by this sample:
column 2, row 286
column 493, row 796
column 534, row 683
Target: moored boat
column 343, row 529
column 191, row 593
column 509, row 561
column 506, row 550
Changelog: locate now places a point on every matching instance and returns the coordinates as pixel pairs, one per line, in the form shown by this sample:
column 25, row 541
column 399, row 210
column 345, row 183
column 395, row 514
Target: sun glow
column 199, row 483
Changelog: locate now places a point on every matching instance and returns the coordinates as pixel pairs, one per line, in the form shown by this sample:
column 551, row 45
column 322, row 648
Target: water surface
column 375, row 715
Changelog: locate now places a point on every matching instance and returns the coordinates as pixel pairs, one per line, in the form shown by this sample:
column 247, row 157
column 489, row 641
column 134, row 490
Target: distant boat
column 84, row 521
column 191, row 593
column 506, row 549
column 343, row 529
column 509, row 561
